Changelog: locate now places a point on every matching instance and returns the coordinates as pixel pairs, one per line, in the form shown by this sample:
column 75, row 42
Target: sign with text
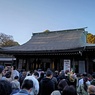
column 67, row 65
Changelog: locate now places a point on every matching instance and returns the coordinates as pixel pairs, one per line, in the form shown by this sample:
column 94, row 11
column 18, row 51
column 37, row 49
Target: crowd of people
column 38, row 82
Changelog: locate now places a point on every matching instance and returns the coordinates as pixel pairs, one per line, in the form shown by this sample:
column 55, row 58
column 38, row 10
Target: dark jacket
column 71, row 82
column 93, row 82
column 46, row 86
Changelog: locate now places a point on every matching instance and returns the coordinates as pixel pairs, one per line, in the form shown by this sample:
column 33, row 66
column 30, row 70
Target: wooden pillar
column 39, row 65
column 27, row 65
column 44, row 66
column 33, row 65
column 87, row 64
column 52, row 65
column 19, row 64
column 73, row 64
column 36, row 65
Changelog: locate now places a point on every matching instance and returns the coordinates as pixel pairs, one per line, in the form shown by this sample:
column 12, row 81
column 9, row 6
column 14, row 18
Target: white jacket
column 35, row 89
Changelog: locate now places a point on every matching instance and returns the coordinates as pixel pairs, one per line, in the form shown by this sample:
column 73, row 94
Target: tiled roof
column 53, row 40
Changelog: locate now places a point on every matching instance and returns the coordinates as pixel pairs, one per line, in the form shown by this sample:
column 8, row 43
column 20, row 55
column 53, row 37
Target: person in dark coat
column 61, row 85
column 71, row 80
column 61, row 76
column 22, row 77
column 5, row 87
column 46, row 84
column 69, row 90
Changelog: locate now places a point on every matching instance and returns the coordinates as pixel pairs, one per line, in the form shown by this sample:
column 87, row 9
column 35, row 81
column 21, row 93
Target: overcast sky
column 21, row 18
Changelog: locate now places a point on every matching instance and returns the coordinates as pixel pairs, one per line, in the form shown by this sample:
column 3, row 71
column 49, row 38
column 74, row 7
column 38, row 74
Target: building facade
column 64, row 49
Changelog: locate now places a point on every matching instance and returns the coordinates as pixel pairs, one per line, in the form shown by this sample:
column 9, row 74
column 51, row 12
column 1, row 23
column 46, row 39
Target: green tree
column 46, row 31
column 7, row 40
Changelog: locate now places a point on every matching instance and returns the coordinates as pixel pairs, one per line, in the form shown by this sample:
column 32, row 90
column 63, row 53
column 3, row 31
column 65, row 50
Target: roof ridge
column 61, row 30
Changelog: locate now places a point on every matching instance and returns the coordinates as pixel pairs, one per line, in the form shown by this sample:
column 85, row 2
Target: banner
column 67, row 65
